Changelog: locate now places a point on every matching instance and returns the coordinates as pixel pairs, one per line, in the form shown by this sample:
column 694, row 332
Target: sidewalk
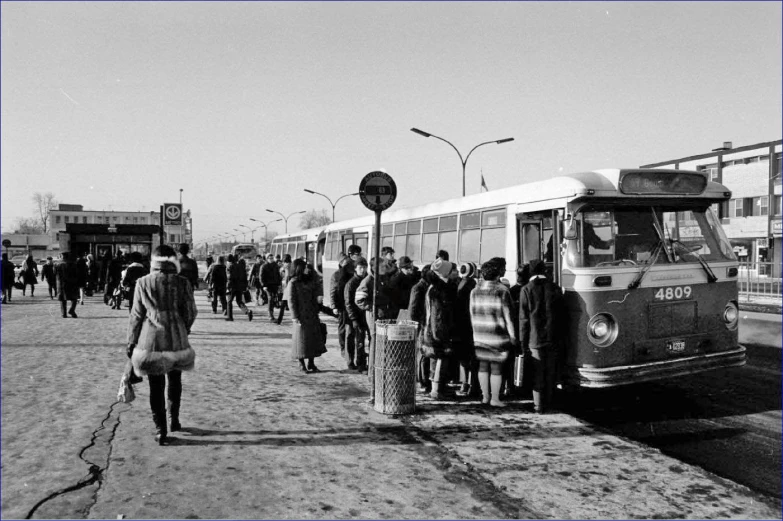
column 262, row 440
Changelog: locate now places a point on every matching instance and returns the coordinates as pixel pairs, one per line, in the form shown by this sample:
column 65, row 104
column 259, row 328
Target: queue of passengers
column 471, row 324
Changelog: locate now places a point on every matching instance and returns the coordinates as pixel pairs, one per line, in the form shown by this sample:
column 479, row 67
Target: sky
column 243, row 105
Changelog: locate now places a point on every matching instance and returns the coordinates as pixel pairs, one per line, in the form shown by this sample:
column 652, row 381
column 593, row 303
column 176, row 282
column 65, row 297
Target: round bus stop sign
column 377, row 191
column 6, row 243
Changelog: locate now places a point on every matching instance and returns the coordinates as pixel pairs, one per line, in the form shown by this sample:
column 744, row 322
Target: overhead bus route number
column 675, row 293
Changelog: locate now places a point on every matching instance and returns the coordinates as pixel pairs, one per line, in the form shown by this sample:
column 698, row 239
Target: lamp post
column 464, row 161
column 265, row 228
column 244, row 237
column 181, row 218
column 330, row 201
column 284, row 217
column 251, row 231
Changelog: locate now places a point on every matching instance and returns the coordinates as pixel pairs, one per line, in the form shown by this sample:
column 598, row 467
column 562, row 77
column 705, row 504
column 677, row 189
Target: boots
column 174, row 417
column 496, row 382
column 483, row 379
column 161, row 433
column 435, row 394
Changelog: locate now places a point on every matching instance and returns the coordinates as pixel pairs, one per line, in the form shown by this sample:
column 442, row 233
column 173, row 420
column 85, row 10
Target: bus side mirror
column 570, row 232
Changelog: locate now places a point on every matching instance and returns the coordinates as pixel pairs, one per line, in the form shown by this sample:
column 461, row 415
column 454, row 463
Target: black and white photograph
column 485, row 259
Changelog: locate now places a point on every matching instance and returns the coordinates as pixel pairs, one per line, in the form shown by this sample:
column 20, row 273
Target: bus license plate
column 675, row 346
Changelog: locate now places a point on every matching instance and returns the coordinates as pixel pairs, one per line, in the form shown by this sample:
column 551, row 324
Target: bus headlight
column 731, row 316
column 602, row 329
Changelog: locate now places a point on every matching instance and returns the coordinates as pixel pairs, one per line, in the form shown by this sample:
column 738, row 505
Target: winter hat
column 537, row 267
column 468, row 269
column 441, row 268
column 405, row 262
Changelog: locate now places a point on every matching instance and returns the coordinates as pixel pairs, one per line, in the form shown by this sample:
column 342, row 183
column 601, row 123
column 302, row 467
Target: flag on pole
column 484, row 183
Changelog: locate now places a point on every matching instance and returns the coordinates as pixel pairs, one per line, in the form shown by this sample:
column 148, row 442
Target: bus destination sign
column 663, row 183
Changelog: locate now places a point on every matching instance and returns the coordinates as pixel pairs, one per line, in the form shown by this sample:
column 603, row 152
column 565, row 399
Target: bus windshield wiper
column 710, row 274
column 655, row 253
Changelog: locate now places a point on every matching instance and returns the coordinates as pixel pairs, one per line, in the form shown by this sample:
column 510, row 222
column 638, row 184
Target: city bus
column 302, row 244
column 649, row 277
column 246, row 251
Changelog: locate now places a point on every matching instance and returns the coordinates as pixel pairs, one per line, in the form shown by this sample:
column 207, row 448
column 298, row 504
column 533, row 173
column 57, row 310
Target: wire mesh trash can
column 394, row 366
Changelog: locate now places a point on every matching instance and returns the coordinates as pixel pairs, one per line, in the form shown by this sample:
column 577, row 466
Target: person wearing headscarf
column 29, row 275
column 492, row 318
column 160, row 321
column 464, row 351
column 437, row 334
column 307, row 341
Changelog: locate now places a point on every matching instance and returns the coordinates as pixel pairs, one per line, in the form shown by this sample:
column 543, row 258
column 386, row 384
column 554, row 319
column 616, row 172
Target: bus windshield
column 613, row 236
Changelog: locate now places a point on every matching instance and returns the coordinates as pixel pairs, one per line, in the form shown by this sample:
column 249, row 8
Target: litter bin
column 394, row 366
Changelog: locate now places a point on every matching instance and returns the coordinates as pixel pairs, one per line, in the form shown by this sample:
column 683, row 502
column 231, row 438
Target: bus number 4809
column 677, row 293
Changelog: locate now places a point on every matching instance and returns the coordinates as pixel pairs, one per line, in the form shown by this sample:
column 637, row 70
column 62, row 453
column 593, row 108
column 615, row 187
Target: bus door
column 538, row 237
column 319, row 253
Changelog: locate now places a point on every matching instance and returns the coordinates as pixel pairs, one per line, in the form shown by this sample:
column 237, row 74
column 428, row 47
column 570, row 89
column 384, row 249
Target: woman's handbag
column 125, row 394
column 322, row 326
column 19, row 284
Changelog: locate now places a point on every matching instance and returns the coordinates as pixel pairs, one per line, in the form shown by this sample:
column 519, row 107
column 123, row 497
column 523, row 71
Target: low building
column 752, row 217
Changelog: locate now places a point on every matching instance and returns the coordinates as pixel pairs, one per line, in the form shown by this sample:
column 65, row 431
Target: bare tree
column 28, row 225
column 44, row 203
column 314, row 219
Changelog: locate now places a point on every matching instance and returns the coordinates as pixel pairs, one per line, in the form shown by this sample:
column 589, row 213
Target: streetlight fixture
column 464, row 161
column 251, row 231
column 284, row 217
column 330, row 201
column 265, row 228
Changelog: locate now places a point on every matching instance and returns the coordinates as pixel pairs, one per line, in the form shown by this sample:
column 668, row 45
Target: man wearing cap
column 540, row 321
column 403, row 281
column 337, row 302
column 355, row 252
column 356, row 323
column 67, row 276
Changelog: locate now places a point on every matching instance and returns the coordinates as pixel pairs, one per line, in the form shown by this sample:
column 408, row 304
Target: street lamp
column 330, row 201
column 464, row 161
column 265, row 228
column 251, row 231
column 284, row 217
column 244, row 237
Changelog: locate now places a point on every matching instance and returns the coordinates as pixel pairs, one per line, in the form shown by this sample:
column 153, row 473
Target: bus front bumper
column 596, row 377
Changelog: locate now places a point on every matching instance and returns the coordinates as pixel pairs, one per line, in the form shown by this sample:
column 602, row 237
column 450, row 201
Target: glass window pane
column 413, row 247
column 493, row 243
column 448, row 242
column 469, row 245
column 494, row 218
column 414, row 227
column 429, row 247
column 386, row 230
column 387, row 241
column 362, row 243
column 399, row 246
column 431, row 225
column 470, row 220
column 448, row 223
column 399, row 228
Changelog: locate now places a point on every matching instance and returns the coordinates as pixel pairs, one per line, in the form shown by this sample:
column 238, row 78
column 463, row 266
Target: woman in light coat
column 163, row 313
column 306, row 338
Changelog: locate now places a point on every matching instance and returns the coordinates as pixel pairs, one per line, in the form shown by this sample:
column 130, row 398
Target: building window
column 778, row 201
column 107, row 220
column 735, row 208
column 67, row 218
column 143, row 220
column 57, row 219
column 84, row 219
column 127, row 217
column 711, row 171
column 760, row 205
column 115, row 218
column 135, row 220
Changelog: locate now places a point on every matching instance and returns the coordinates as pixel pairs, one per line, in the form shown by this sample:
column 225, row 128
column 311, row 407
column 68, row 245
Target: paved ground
column 262, row 440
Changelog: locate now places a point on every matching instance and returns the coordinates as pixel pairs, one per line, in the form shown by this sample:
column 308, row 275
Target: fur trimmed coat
column 440, row 302
column 163, row 313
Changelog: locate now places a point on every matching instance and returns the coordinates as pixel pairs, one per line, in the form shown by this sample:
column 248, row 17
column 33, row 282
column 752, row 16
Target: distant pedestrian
column 92, row 275
column 188, row 268
column 83, row 271
column 48, row 275
column 356, row 321
column 67, row 284
column 540, row 313
column 133, row 273
column 255, row 279
column 217, row 280
column 113, row 278
column 29, row 275
column 491, row 315
column 306, row 338
column 285, row 277
column 163, row 313
column 270, row 282
column 236, row 287
column 210, row 260
column 8, row 278
column 339, row 279
column 436, row 336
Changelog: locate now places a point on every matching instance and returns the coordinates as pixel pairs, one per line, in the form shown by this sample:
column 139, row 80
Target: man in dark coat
column 83, row 274
column 356, row 322
column 337, row 302
column 403, row 281
column 237, row 285
column 113, row 277
column 8, row 278
column 417, row 311
column 255, row 279
column 67, row 275
column 540, row 311
column 133, row 273
column 188, row 268
column 47, row 274
column 217, row 280
column 270, row 281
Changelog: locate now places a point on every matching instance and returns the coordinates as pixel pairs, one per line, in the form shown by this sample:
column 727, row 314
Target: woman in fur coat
column 163, row 312
column 306, row 339
column 436, row 336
